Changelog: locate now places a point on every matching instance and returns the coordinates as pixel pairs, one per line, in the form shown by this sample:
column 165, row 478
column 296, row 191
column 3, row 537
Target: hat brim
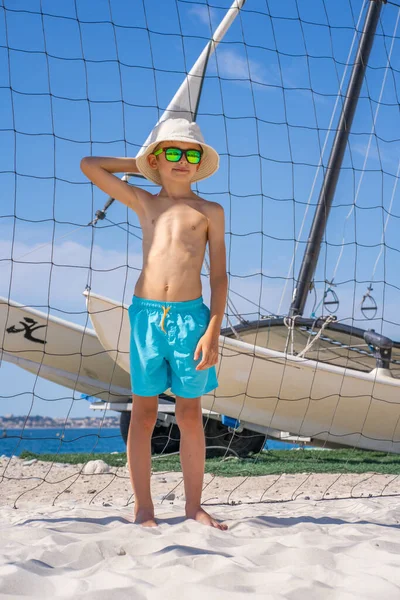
column 209, row 163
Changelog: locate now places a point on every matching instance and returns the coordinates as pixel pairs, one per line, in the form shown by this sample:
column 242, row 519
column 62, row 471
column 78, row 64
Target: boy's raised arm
column 100, row 169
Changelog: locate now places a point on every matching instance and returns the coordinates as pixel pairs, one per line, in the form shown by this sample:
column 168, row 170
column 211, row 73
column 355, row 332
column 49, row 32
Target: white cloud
column 386, row 154
column 33, row 283
column 233, row 65
column 61, row 287
column 230, row 63
column 203, row 13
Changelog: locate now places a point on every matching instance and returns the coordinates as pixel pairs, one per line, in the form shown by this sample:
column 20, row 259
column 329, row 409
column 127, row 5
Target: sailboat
column 335, row 383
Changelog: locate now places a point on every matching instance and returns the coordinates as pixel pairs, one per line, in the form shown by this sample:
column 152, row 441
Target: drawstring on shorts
column 176, row 307
column 165, row 309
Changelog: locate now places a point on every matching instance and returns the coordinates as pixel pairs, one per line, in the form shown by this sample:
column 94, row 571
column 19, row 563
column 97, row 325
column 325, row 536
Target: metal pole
column 327, row 192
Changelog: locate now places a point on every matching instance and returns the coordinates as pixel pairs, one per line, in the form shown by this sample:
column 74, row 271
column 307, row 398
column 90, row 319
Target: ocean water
column 43, row 441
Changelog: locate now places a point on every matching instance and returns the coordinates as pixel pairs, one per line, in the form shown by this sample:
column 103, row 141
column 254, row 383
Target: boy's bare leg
column 138, row 450
column 192, row 454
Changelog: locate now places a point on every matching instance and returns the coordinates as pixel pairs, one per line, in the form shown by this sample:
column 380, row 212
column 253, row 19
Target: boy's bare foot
column 200, row 515
column 145, row 517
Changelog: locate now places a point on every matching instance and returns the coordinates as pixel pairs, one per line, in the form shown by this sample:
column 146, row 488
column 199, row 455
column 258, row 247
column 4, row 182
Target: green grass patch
column 268, row 462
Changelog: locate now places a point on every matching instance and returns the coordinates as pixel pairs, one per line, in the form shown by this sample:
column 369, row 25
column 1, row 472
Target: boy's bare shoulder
column 214, row 213
column 143, row 197
column 211, row 207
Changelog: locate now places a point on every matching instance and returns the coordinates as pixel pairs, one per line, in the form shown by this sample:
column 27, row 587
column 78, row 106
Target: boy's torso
column 175, row 235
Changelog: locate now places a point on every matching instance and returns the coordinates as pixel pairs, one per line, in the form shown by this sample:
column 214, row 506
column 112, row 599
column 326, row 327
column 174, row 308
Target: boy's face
column 180, row 170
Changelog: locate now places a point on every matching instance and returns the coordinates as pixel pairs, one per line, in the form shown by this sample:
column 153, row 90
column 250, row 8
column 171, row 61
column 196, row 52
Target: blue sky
column 62, row 82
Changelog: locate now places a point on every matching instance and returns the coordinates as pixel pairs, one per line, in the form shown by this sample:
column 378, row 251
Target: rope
column 290, row 323
column 310, row 344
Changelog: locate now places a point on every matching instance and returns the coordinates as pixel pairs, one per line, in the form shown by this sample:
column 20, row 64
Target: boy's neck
column 175, row 190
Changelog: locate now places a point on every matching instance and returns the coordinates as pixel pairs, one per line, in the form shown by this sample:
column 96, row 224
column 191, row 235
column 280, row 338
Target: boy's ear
column 152, row 160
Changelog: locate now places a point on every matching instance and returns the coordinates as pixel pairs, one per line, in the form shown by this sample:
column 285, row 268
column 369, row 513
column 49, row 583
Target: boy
column 174, row 335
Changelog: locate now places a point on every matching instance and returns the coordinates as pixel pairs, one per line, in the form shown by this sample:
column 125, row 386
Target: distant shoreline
column 103, row 426
column 67, row 427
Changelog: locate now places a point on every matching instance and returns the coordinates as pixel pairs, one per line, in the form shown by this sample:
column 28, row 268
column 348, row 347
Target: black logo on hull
column 28, row 328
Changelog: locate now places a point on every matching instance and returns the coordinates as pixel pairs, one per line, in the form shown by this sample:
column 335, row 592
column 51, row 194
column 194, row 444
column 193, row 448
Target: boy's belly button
column 166, row 288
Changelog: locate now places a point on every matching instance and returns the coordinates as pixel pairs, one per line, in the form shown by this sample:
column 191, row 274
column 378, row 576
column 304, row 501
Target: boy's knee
column 145, row 420
column 188, row 417
column 144, row 411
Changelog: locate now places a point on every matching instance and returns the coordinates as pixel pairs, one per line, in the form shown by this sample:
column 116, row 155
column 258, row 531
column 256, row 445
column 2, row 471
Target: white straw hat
column 180, row 130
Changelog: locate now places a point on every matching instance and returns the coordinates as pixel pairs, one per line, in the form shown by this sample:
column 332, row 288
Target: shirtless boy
column 174, row 335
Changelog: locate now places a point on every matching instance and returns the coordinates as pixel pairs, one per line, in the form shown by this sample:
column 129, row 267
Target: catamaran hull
column 61, row 352
column 258, row 385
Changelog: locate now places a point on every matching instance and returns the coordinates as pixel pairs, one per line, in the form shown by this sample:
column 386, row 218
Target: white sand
column 83, row 544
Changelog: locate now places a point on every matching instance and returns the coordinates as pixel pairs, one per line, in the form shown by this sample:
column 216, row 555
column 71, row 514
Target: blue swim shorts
column 164, row 336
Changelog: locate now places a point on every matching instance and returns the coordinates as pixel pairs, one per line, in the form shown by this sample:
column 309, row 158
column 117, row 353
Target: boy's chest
column 178, row 223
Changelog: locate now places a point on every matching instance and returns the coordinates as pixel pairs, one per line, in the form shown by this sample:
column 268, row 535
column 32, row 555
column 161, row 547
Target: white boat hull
column 61, row 352
column 308, row 398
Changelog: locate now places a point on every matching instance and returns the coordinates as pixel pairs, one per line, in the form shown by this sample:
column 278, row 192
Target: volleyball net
column 266, row 81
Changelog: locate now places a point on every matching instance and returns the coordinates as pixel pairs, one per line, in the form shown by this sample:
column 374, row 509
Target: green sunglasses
column 175, row 154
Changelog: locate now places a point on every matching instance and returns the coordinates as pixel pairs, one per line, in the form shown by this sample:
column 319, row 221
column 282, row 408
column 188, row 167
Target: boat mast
column 328, row 188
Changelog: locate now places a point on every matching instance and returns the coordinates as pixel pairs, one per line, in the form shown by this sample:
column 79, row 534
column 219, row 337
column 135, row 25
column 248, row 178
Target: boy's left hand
column 208, row 346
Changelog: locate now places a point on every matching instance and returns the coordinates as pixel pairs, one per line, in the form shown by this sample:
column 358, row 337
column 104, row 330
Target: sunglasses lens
column 173, row 154
column 193, row 156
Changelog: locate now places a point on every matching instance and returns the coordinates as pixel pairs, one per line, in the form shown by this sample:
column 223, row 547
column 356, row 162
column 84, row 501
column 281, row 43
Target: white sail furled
column 185, row 102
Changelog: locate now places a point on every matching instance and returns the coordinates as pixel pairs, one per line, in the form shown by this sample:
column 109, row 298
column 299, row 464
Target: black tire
column 164, row 439
column 124, row 420
column 217, row 434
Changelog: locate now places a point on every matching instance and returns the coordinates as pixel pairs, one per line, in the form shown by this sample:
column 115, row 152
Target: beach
column 289, row 536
